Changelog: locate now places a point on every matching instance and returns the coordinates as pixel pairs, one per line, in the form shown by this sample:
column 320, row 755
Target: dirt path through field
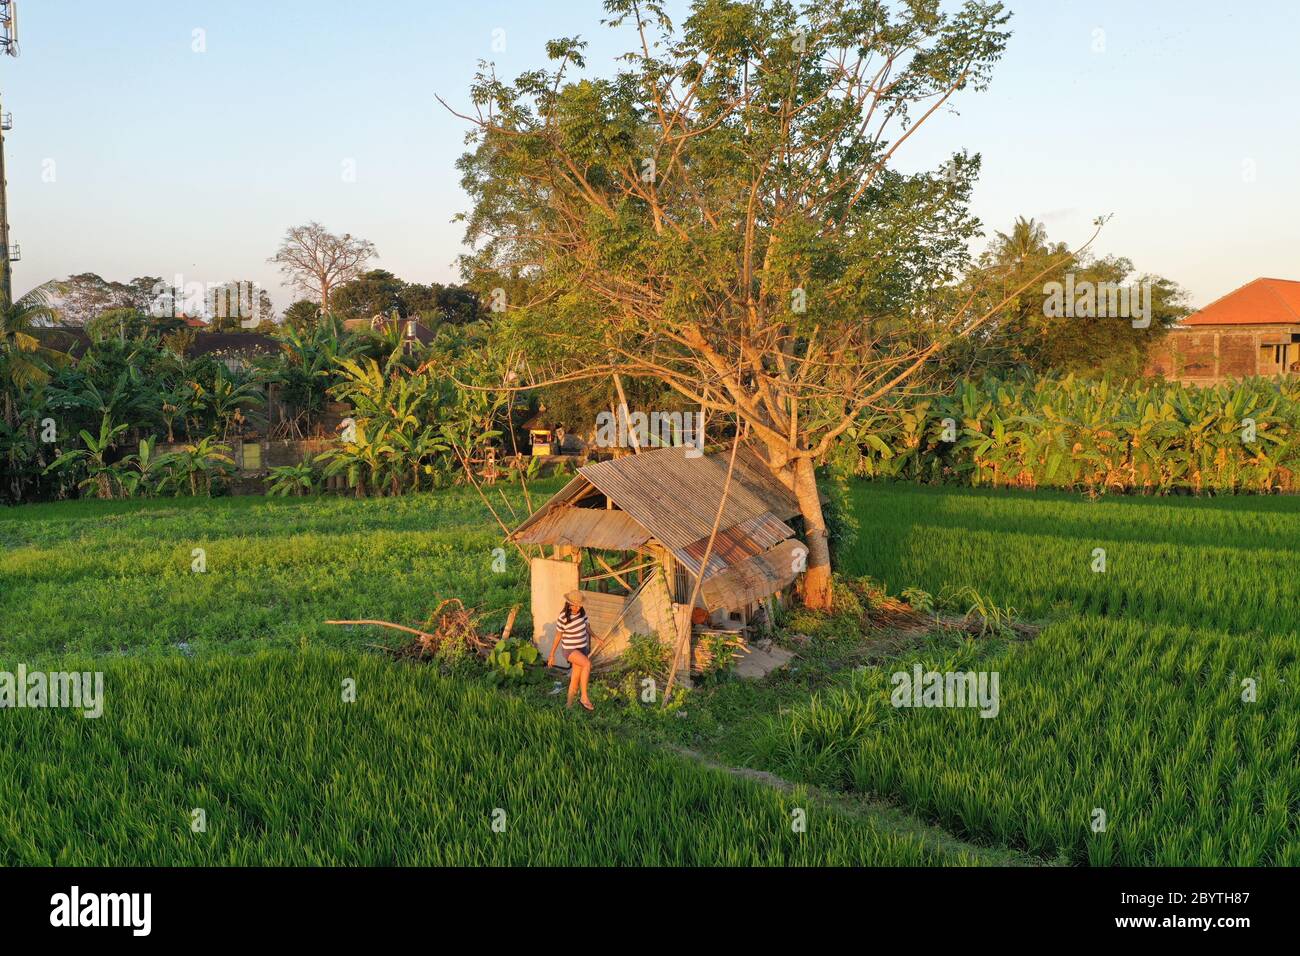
column 885, row 816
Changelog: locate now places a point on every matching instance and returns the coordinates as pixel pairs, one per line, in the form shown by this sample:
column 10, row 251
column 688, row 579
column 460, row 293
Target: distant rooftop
column 1261, row 302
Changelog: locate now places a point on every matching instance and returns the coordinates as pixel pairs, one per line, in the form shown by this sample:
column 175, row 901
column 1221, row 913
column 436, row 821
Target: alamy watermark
column 75, row 909
column 651, row 430
column 39, row 690
column 1098, row 300
column 974, row 689
column 245, row 301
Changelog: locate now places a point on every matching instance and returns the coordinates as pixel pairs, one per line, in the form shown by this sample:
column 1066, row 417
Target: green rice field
column 418, row 770
column 1129, row 701
column 223, row 693
column 101, row 576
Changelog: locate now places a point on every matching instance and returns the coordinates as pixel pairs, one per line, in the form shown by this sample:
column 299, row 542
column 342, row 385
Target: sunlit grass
column 416, row 771
column 1129, row 702
column 118, row 576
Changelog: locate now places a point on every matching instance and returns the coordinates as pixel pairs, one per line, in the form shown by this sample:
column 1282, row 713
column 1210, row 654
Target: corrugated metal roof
column 754, row 579
column 734, row 545
column 585, row 528
column 676, row 498
column 662, row 494
column 576, row 486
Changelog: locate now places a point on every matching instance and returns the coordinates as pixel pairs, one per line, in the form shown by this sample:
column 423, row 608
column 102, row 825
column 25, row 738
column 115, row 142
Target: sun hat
column 574, row 597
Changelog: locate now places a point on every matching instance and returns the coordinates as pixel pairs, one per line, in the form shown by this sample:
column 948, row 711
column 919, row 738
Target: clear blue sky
column 170, row 161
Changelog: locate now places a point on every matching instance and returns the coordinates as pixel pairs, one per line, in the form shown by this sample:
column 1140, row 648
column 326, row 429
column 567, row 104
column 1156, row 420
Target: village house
column 1254, row 330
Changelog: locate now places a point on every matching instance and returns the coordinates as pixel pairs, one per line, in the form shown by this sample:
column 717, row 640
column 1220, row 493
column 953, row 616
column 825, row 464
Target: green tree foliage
column 302, row 315
column 1024, row 334
column 80, row 298
column 379, row 292
column 726, row 213
column 121, row 323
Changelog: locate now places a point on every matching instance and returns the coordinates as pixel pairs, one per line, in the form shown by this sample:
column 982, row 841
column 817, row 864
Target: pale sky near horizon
column 1179, row 118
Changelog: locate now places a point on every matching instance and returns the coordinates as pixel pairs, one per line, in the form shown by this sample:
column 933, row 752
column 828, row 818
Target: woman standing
column 573, row 633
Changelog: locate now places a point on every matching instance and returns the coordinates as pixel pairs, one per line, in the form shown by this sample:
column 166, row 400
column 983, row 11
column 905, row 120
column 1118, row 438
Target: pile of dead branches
column 451, row 629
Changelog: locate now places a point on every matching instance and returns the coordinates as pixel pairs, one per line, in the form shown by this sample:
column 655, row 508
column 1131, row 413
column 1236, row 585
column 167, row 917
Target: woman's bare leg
column 574, row 673
column 581, row 665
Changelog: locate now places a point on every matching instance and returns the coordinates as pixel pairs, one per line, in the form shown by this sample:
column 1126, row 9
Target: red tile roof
column 1262, row 302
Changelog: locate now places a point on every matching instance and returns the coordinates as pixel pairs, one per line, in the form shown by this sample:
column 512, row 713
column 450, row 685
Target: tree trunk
column 817, row 578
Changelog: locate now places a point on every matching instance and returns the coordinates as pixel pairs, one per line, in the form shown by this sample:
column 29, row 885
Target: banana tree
column 102, row 476
column 198, row 467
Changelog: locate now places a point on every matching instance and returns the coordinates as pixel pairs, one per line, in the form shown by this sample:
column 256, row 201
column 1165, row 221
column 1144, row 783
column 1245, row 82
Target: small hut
column 541, row 437
column 630, row 534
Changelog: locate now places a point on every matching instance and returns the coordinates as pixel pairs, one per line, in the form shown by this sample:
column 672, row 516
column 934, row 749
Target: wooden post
column 684, row 629
column 510, row 623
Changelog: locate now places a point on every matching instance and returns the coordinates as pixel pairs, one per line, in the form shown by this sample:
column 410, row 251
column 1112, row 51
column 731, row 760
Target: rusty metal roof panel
column 754, row 579
column 735, row 545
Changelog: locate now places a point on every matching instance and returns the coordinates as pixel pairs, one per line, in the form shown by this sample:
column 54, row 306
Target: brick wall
column 1203, row 356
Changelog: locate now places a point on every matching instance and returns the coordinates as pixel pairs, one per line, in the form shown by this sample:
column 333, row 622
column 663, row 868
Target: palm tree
column 24, row 362
column 1027, row 240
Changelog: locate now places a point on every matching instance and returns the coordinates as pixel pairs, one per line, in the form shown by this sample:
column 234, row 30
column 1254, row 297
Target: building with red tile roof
column 1253, row 330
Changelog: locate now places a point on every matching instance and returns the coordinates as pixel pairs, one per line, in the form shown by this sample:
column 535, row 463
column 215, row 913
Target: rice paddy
column 107, row 576
column 420, row 769
column 1163, row 692
column 223, row 694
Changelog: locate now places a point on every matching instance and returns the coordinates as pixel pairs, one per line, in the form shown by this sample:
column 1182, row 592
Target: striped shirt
column 574, row 633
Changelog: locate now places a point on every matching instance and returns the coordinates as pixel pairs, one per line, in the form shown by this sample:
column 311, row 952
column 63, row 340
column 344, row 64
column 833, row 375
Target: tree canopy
column 725, row 213
column 1028, row 333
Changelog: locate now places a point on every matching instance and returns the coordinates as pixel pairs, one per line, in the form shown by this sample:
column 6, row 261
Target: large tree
column 314, row 260
column 237, row 305
column 377, row 292
column 726, row 213
column 80, row 298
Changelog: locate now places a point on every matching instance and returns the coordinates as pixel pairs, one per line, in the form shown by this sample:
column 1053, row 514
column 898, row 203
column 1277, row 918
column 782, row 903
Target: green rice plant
column 111, row 576
column 1231, row 564
column 1160, row 693
column 263, row 760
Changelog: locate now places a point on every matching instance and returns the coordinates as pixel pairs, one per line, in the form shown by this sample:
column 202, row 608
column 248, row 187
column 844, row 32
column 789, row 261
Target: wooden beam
column 617, row 572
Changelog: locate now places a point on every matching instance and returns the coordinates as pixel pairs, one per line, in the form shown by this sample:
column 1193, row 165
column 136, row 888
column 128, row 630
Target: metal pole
column 6, row 272
column 8, row 46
